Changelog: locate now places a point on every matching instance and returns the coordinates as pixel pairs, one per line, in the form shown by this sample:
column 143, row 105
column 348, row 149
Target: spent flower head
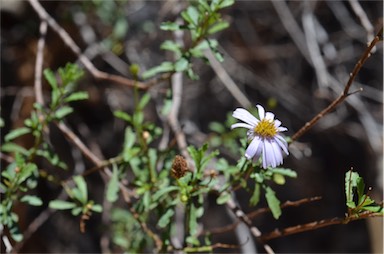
column 264, row 134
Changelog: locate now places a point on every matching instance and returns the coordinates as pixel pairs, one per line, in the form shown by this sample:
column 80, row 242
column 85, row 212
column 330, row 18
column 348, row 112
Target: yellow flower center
column 265, row 129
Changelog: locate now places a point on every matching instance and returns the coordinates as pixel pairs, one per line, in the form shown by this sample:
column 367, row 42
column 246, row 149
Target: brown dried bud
column 179, row 167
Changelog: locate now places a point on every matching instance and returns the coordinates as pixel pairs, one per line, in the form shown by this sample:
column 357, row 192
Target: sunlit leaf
column 273, row 202
column 166, row 218
column 113, row 185
column 31, row 200
column 223, row 198
column 63, row 111
column 255, row 198
column 16, row 133
column 181, row 64
column 97, row 208
column 171, row 46
column 218, row 27
column 50, row 77
column 122, row 115
column 144, row 101
column 169, row 26
column 163, row 67
column 61, row 205
column 82, row 187
column 77, row 96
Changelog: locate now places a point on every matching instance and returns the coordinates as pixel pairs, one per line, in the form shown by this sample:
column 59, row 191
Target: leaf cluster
column 201, row 19
column 22, row 175
column 357, row 200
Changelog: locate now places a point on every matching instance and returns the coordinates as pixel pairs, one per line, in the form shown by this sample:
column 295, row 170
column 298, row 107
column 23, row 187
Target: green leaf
column 171, row 46
column 219, row 57
column 70, row 73
column 191, row 15
column 169, row 26
column 273, row 202
column 82, row 187
column 120, row 28
column 284, row 171
column 374, row 209
column 138, row 118
column 63, row 111
column 31, row 200
column 165, row 218
column 161, row 192
column 130, row 154
column 192, row 220
column 192, row 75
column 78, row 96
column 147, row 200
column 15, row 233
column 217, row 127
column 50, row 77
column 218, row 27
column 365, row 200
column 97, row 208
column 122, row 115
column 129, row 139
column 113, row 185
column 26, row 171
column 279, row 179
column 351, row 204
column 350, row 183
column 76, row 211
column 255, row 196
column 61, row 205
column 226, row 3
column 163, row 67
column 181, row 64
column 152, row 156
column 16, row 133
column 219, row 4
column 223, row 198
column 360, row 188
column 205, row 5
column 144, row 101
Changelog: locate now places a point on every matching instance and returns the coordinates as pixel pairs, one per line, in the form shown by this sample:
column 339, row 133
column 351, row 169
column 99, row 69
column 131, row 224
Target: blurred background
column 292, row 57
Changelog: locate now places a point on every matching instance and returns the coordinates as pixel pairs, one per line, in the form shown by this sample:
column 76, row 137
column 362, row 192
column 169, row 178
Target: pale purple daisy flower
column 264, row 134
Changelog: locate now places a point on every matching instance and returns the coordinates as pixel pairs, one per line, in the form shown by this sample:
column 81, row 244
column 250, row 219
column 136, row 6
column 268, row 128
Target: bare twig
column 315, row 55
column 227, row 80
column 345, row 92
column 293, row 29
column 316, row 225
column 39, row 63
column 356, row 7
column 44, row 16
column 256, row 213
column 244, row 218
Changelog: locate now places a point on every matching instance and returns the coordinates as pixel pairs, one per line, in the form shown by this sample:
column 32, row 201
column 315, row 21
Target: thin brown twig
column 345, row 92
column 44, row 16
column 316, row 225
column 257, row 212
